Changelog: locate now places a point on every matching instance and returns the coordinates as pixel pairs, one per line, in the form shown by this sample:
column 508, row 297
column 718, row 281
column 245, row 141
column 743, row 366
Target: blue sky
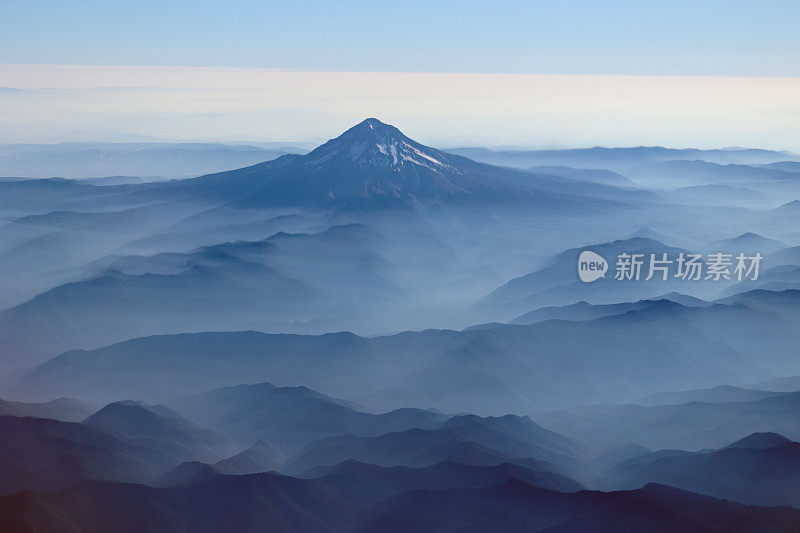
column 549, row 74
column 540, row 37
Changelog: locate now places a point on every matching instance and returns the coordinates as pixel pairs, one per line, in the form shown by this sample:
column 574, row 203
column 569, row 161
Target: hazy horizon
column 58, row 103
column 426, row 266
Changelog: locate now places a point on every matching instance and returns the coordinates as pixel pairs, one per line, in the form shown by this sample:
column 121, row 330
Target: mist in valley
column 278, row 319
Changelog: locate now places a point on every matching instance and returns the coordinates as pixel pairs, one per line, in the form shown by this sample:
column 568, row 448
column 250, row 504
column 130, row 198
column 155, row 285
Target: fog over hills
column 500, row 369
column 288, row 504
column 621, row 159
column 146, row 161
column 694, row 425
column 292, row 416
column 760, row 469
column 378, row 335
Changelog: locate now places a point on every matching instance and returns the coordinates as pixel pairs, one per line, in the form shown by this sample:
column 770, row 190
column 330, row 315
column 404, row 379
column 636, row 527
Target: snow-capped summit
column 370, row 161
column 373, row 143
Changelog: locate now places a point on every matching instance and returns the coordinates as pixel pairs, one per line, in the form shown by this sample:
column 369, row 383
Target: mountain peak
column 752, row 242
column 372, row 130
column 760, row 441
column 375, row 125
column 794, row 204
column 370, row 164
column 372, row 143
column 129, row 417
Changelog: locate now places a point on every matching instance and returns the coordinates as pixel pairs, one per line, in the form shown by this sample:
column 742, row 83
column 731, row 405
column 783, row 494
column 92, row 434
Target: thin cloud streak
column 82, row 102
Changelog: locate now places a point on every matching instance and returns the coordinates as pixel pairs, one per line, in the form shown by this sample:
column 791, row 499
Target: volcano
column 371, row 161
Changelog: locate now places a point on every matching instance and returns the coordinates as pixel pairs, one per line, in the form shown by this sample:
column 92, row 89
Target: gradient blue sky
column 732, row 37
column 537, row 73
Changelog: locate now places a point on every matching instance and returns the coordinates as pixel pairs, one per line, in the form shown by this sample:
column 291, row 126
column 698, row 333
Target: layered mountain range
column 378, row 335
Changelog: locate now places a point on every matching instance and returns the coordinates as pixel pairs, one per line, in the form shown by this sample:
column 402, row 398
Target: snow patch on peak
column 426, row 156
column 402, row 152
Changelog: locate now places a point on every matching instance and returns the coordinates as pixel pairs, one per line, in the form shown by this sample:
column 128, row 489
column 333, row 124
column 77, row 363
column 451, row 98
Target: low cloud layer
column 56, row 103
